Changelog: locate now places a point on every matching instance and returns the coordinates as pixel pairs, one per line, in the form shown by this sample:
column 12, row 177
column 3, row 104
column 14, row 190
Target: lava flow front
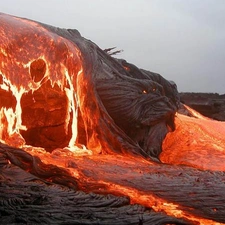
column 49, row 107
column 198, row 142
column 37, row 85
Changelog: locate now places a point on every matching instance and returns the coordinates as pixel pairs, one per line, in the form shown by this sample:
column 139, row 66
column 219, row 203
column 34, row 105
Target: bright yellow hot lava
column 37, row 67
column 32, row 58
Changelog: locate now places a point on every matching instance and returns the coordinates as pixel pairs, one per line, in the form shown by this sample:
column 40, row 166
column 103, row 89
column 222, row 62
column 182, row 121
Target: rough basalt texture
column 45, row 188
column 211, row 105
column 58, row 64
column 51, row 197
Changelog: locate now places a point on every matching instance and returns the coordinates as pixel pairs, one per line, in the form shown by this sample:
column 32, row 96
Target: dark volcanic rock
column 208, row 104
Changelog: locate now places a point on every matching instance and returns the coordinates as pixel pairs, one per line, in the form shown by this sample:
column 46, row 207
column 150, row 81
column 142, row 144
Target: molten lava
column 39, row 72
column 198, row 142
column 50, row 108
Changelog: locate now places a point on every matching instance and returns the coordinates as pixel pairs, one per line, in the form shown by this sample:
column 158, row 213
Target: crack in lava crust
column 60, row 91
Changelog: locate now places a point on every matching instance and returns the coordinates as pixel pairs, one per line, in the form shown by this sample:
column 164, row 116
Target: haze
column 182, row 40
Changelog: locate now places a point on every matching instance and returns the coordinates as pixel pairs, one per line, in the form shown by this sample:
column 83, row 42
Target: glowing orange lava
column 197, row 141
column 39, row 76
column 35, row 60
column 117, row 175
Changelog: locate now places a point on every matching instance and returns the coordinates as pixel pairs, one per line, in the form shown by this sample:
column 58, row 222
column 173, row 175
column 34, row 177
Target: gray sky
column 183, row 40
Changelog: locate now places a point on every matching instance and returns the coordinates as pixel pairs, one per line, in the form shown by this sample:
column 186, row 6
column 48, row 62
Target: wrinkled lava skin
column 58, row 89
column 120, row 108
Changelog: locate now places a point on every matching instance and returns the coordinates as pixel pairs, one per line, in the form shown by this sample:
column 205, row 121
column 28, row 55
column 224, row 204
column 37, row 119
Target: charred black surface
column 27, row 199
column 211, row 105
column 141, row 103
column 35, row 166
column 140, row 108
column 109, row 90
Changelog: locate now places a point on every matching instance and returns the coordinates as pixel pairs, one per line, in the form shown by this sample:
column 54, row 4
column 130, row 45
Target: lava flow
column 49, row 107
column 198, row 142
column 38, row 81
